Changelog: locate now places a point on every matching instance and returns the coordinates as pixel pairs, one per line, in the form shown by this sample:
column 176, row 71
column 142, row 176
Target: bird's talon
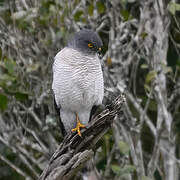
column 79, row 132
column 75, row 129
column 81, row 125
column 78, row 126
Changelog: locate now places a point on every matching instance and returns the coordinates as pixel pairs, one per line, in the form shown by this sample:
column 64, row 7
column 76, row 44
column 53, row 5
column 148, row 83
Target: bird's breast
column 84, row 86
column 80, row 85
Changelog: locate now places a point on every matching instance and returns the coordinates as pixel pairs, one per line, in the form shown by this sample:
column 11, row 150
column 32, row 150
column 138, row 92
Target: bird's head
column 86, row 41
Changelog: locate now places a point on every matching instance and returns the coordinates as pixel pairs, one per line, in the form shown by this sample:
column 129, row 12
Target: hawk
column 78, row 83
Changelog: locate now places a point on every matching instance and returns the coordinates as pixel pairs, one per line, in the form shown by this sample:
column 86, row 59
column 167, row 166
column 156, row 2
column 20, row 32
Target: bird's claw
column 78, row 126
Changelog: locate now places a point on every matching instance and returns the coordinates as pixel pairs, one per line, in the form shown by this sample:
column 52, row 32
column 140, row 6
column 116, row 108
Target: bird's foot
column 78, row 126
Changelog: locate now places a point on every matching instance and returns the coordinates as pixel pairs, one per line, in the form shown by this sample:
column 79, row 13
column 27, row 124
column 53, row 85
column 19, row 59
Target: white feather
column 77, row 84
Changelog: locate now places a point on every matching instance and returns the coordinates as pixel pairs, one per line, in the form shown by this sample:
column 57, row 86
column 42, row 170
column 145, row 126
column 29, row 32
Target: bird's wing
column 93, row 111
column 60, row 122
column 57, row 108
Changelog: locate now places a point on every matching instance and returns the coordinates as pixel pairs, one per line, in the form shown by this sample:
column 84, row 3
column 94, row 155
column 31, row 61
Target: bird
column 78, row 84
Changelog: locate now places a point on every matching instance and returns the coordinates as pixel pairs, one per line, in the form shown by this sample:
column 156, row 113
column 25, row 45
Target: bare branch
column 74, row 151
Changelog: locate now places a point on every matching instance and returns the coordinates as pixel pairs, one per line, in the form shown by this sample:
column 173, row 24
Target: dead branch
column 74, row 151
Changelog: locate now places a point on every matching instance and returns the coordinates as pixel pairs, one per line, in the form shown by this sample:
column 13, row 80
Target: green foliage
column 3, row 102
column 24, row 18
column 126, row 15
column 0, row 53
column 150, row 76
column 144, row 66
column 144, row 35
column 10, row 82
column 147, row 87
column 123, row 171
column 146, row 178
column 77, row 15
column 91, row 9
column 100, row 7
column 10, row 66
column 20, row 96
column 8, row 73
column 19, row 15
column 123, row 147
column 167, row 69
column 153, row 105
column 173, row 7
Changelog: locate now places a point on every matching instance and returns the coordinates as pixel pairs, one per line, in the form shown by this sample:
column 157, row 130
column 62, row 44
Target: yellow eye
column 90, row 45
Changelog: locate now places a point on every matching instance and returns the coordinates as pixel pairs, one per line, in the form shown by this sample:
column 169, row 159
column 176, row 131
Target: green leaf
column 127, row 169
column 150, row 76
column 124, row 148
column 21, row 96
column 100, row 7
column 173, row 7
column 145, row 178
column 66, row 11
column 116, row 169
column 31, row 14
column 144, row 35
column 77, row 15
column 153, row 105
column 144, row 66
column 10, row 66
column 147, row 87
column 125, row 14
column 8, row 79
column 3, row 102
column 124, row 2
column 33, row 67
column 167, row 69
column 52, row 9
column 18, row 15
column 178, row 62
column 90, row 9
column 0, row 53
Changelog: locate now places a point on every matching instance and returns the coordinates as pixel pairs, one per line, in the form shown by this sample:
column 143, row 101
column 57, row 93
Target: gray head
column 86, row 41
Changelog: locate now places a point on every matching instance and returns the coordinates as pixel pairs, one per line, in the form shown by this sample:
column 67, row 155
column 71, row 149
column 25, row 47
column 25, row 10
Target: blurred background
column 141, row 58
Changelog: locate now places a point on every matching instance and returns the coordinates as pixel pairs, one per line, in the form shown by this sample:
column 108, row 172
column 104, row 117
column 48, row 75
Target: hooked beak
column 100, row 53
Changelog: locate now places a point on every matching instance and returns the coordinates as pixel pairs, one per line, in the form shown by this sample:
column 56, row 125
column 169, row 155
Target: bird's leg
column 78, row 126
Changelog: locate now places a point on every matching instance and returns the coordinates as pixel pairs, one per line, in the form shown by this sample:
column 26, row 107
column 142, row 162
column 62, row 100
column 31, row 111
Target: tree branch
column 74, row 151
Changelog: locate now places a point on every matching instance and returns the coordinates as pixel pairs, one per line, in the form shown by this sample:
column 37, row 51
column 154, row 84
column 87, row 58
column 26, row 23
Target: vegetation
column 141, row 58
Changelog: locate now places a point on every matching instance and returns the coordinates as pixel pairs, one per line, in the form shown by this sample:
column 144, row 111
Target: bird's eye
column 90, row 45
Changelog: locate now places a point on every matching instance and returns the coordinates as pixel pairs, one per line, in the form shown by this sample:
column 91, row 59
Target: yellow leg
column 78, row 126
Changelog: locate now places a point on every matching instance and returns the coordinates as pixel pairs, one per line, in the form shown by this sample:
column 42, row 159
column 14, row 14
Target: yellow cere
column 90, row 45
